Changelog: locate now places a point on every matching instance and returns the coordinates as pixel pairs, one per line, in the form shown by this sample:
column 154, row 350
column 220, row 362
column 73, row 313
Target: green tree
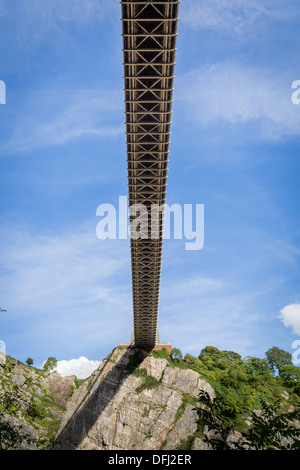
column 29, row 361
column 235, row 375
column 290, row 373
column 190, row 359
column 176, row 354
column 213, row 358
column 278, row 358
column 232, row 356
column 270, row 428
column 257, row 368
column 291, row 377
column 50, row 363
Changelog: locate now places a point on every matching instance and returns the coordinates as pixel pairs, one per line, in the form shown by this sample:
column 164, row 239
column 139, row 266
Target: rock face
column 32, row 403
column 60, row 387
column 133, row 403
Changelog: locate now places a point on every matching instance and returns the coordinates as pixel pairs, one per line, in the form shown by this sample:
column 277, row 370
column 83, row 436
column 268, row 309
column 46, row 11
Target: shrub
column 160, row 353
column 270, row 428
column 29, row 361
column 35, row 410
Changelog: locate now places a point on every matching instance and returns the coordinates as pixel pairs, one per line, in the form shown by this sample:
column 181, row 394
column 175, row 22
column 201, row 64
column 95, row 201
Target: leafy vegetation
column 245, row 382
column 278, row 358
column 242, row 386
column 50, row 363
column 148, row 383
column 186, row 399
column 270, row 428
column 35, row 410
column 258, row 398
column 24, row 398
column 176, row 354
column 160, row 353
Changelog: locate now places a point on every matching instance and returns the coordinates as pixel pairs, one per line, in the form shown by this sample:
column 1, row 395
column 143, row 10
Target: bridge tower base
column 157, row 347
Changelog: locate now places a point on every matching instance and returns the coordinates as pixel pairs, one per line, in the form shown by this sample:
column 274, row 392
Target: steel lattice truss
column 149, row 40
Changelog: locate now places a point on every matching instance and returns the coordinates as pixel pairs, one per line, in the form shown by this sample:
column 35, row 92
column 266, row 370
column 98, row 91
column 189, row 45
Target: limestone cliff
column 32, row 403
column 133, row 403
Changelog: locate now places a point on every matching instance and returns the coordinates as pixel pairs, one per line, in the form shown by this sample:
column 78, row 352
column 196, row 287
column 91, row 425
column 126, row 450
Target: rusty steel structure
column 149, row 31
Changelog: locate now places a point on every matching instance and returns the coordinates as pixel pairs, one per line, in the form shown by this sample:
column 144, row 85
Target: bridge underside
column 149, row 38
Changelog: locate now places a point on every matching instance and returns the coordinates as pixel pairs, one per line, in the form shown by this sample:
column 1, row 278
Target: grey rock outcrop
column 129, row 404
column 32, row 403
column 60, row 387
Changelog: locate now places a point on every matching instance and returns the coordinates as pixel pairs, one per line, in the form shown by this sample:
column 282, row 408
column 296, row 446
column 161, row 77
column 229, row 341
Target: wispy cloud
column 54, row 15
column 191, row 287
column 237, row 94
column 236, row 16
column 68, row 268
column 69, row 10
column 233, row 307
column 218, row 315
column 55, row 117
column 60, row 288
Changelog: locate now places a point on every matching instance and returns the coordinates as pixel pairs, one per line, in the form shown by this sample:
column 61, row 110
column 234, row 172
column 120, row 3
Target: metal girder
column 149, row 31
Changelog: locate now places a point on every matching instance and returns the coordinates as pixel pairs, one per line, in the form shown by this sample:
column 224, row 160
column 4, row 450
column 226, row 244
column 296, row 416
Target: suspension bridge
column 149, row 32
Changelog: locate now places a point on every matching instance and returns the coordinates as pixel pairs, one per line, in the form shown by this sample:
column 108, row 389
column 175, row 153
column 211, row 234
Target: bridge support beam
column 149, row 30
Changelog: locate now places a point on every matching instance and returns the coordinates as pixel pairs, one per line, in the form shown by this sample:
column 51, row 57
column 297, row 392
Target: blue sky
column 234, row 148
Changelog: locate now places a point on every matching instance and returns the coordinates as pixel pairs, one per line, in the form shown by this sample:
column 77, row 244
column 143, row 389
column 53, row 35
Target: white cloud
column 236, row 16
column 236, row 94
column 55, row 117
column 290, row 316
column 81, row 367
